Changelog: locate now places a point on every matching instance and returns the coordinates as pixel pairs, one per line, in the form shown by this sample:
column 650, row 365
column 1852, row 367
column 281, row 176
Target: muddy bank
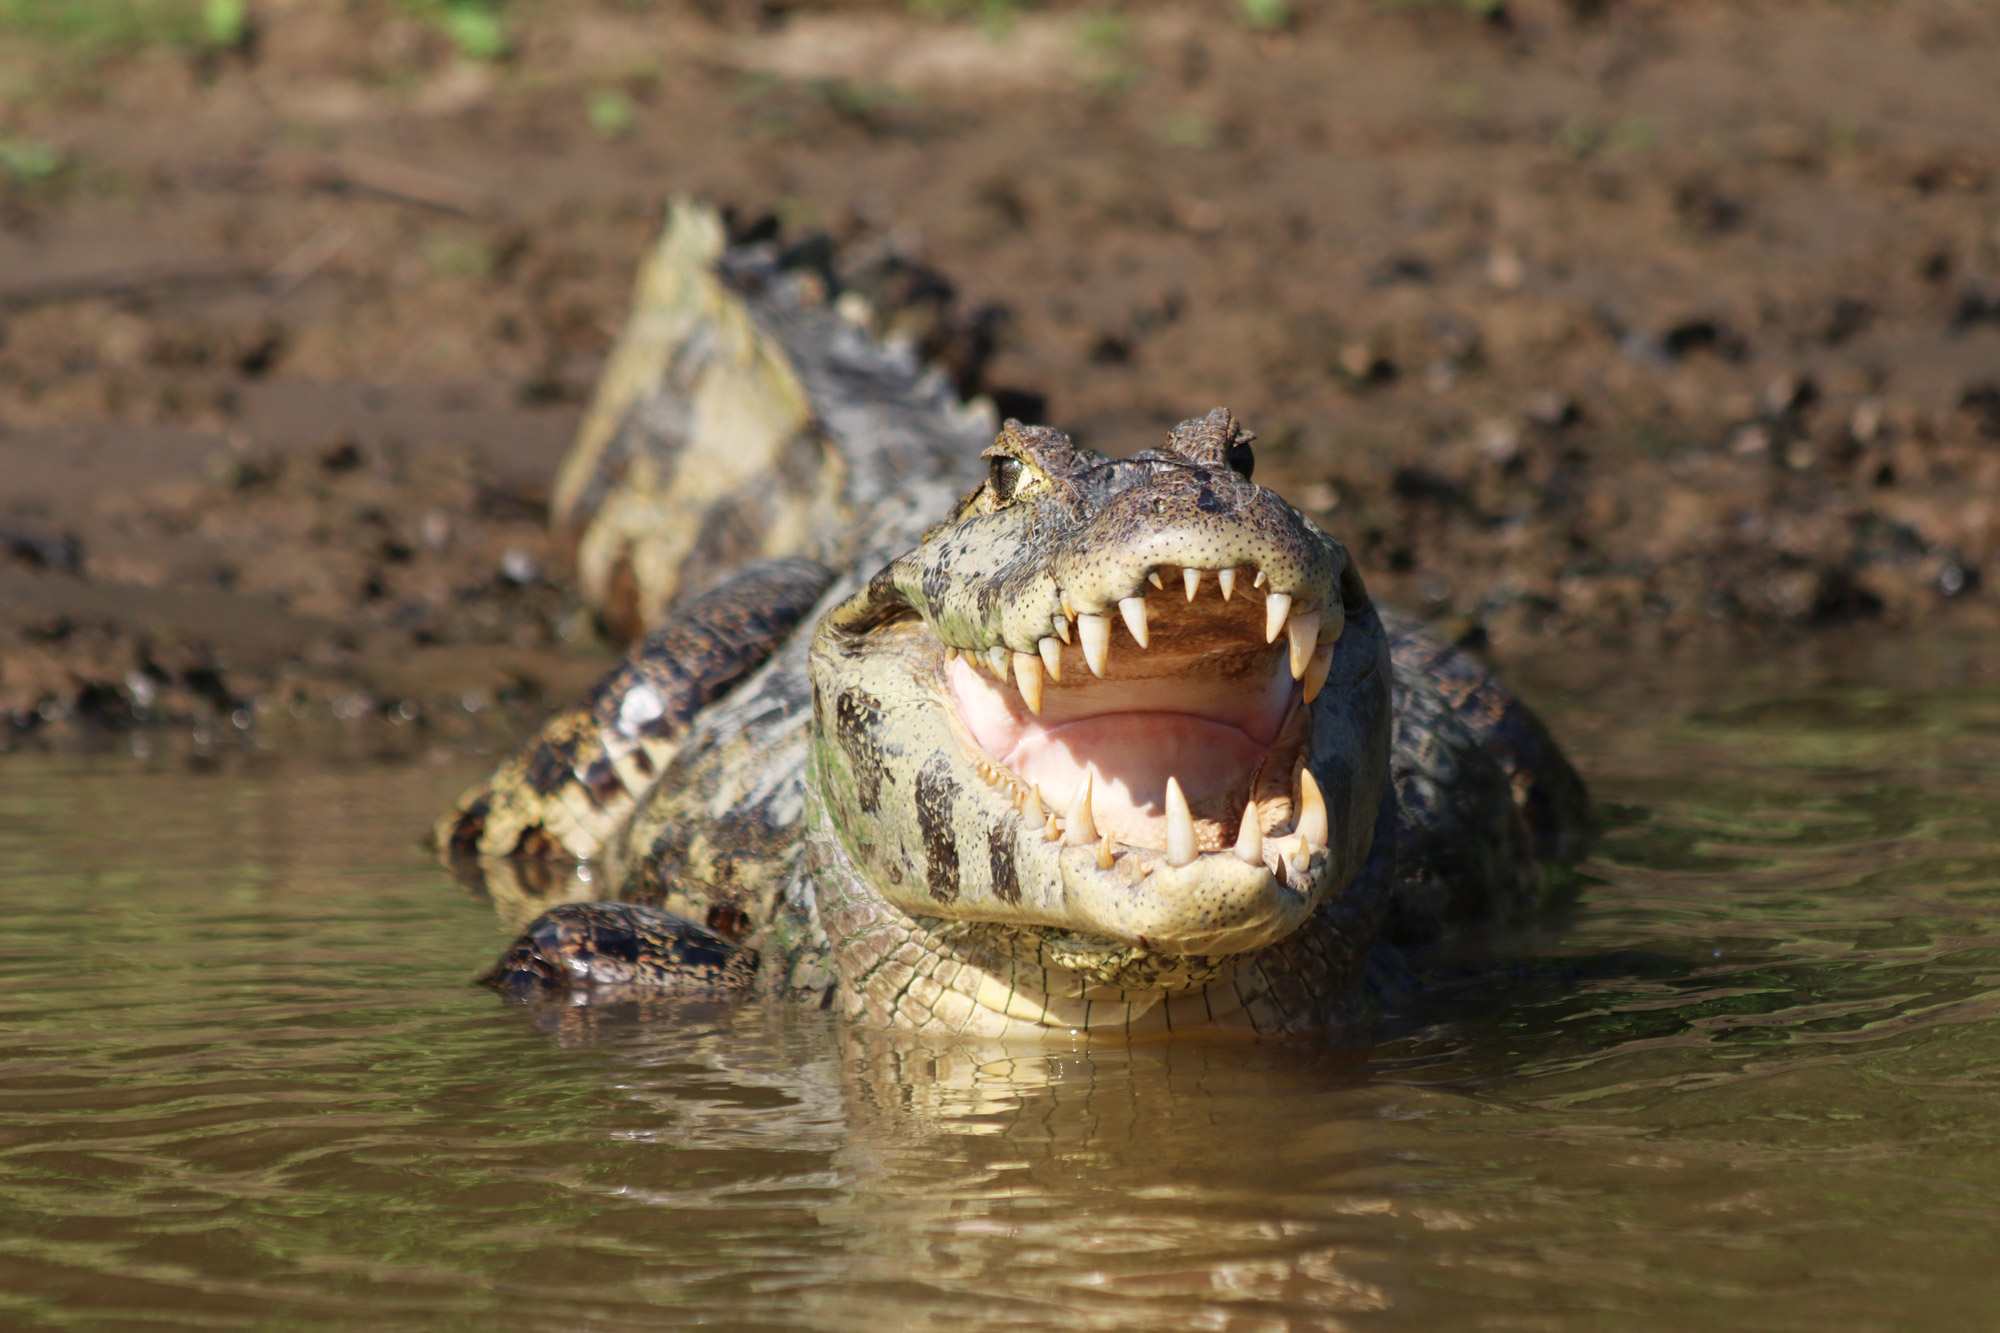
column 1592, row 328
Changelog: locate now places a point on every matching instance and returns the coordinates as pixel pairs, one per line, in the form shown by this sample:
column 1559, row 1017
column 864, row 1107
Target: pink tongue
column 1134, row 754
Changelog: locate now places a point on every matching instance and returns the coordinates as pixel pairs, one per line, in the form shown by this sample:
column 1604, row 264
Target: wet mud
column 1593, row 328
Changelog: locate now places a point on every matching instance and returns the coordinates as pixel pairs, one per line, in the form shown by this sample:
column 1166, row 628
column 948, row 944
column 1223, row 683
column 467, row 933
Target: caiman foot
column 605, row 952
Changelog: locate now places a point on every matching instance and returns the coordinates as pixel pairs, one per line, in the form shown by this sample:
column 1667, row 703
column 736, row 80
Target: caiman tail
column 740, row 439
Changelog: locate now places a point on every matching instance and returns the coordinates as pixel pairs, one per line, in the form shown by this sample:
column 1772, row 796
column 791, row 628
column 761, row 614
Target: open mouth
column 1175, row 723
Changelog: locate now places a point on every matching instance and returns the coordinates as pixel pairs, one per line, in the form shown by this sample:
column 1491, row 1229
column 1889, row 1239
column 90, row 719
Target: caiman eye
column 1242, row 461
column 1004, row 477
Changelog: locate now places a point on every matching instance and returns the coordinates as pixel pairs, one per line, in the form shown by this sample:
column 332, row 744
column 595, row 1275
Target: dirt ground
column 1601, row 327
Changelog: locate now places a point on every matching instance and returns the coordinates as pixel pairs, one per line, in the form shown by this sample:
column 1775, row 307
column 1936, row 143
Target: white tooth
column 1050, row 832
column 1028, row 680
column 1317, row 670
column 1105, row 859
column 1134, row 611
column 998, row 657
column 1180, row 826
column 1068, row 608
column 1250, row 838
column 1258, row 582
column 1095, row 631
column 1227, row 578
column 1079, row 830
column 1061, row 626
column 1031, row 809
column 1303, row 631
column 1154, row 579
column 1051, row 652
column 1332, row 623
column 1192, row 578
column 1312, row 814
column 1277, row 607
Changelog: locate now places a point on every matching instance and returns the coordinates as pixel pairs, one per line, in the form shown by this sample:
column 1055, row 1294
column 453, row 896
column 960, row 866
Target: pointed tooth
column 1105, row 858
column 997, row 657
column 1068, row 607
column 1028, row 680
column 1031, row 808
column 1051, row 832
column 1154, row 579
column 1192, row 578
column 1258, row 582
column 1181, row 847
column 1303, row 631
column 1079, row 830
column 1227, row 578
column 950, row 653
column 1317, row 669
column 1277, row 608
column 1095, row 631
column 1134, row 611
column 1060, row 626
column 1312, row 814
column 1051, row 652
column 1250, row 837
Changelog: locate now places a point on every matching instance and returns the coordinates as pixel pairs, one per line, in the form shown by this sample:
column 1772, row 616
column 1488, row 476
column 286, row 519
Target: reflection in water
column 1752, row 1080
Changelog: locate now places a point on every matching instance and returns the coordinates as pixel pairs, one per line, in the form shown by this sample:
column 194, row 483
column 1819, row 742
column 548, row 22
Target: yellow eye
column 1004, row 477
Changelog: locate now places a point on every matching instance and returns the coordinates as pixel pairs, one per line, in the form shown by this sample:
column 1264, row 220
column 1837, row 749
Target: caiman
column 971, row 730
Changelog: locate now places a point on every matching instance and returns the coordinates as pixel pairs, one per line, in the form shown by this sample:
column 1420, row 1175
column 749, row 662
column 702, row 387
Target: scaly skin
column 1100, row 747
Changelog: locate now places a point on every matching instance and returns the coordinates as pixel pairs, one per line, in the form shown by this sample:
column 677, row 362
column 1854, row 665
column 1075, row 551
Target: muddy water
column 1751, row 1080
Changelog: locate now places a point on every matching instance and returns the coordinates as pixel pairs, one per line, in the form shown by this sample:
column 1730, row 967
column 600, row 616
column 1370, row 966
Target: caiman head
column 1136, row 704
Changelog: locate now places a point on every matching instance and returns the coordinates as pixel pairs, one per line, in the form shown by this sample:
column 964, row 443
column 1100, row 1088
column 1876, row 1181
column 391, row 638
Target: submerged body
column 973, row 734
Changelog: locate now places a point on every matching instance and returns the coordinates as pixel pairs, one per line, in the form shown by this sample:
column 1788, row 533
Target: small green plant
column 1266, row 15
column 477, row 30
column 30, row 161
column 1187, row 129
column 1105, row 31
column 457, row 256
column 101, row 29
column 993, row 13
column 611, row 113
column 225, row 23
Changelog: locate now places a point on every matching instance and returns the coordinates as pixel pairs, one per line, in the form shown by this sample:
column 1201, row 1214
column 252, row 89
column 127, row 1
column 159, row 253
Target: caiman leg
column 1487, row 807
column 563, row 798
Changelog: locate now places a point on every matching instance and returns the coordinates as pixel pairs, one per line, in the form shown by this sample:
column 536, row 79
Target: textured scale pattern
column 668, row 834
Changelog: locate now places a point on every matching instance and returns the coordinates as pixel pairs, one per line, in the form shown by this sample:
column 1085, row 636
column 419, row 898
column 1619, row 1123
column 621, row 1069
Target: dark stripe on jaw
column 1000, row 862
column 934, row 795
